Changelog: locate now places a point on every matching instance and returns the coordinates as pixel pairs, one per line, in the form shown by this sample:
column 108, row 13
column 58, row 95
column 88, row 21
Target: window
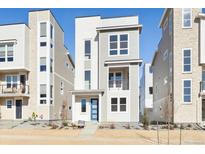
column 9, row 103
column 51, row 65
column 87, row 79
column 83, row 105
column 115, row 80
column 150, row 90
column 113, row 45
column 42, row 44
column 42, row 90
column 114, row 104
column 11, row 81
column 203, row 80
column 118, row 44
column 165, row 55
column 122, row 104
column 51, row 31
column 186, row 60
column 43, row 101
column 123, row 44
column 187, row 17
column 10, row 52
column 87, row 49
column 187, row 91
column 43, row 64
column 2, row 52
column 51, row 91
column 170, row 23
column 43, row 29
column 51, row 45
column 61, row 87
column 7, row 49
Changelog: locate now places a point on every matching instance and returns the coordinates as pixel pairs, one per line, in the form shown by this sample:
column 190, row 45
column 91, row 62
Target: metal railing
column 14, row 89
column 119, row 84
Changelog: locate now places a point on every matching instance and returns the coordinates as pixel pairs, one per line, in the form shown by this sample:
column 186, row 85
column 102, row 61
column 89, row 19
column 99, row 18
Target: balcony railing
column 122, row 84
column 14, row 89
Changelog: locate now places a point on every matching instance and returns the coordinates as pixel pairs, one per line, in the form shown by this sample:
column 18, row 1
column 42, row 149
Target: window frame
column 113, row 104
column 183, row 49
column 44, row 97
column 87, row 55
column 11, row 105
column 87, row 80
column 186, row 27
column 122, row 104
column 45, row 35
column 43, row 65
column 183, row 102
column 81, row 105
column 118, row 44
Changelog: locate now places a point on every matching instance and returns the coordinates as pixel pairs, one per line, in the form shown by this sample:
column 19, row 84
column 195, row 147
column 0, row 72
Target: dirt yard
column 102, row 136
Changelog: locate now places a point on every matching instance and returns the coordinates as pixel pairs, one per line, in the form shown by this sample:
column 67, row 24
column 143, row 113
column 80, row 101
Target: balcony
column 14, row 90
column 122, row 84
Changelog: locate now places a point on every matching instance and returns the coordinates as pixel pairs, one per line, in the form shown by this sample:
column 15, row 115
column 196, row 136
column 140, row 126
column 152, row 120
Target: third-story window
column 2, row 52
column 10, row 52
column 43, row 64
column 43, row 29
column 113, row 45
column 123, row 44
column 187, row 91
column 51, row 31
column 87, row 49
column 186, row 17
column 87, row 79
column 150, row 90
column 118, row 44
column 186, row 60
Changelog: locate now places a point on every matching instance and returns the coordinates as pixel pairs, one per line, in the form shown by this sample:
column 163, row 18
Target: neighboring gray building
column 107, row 69
column 146, row 89
column 178, row 67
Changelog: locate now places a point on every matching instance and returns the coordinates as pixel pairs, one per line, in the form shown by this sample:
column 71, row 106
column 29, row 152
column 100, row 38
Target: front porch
column 86, row 105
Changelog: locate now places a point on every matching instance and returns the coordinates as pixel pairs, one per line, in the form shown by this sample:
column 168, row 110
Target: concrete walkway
column 89, row 130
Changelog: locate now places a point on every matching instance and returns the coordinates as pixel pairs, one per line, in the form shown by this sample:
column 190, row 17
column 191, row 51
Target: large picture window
column 118, row 44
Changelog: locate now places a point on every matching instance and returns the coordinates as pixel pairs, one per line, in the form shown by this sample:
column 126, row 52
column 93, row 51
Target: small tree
column 63, row 113
column 145, row 119
column 34, row 116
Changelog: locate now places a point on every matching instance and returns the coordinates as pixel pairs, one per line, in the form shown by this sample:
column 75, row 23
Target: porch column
column 100, row 107
column 73, row 108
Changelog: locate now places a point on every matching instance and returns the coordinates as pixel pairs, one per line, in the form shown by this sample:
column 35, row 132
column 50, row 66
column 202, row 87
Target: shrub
column 101, row 127
column 64, row 123
column 175, row 126
column 128, row 126
column 189, row 125
column 54, row 126
column 34, row 116
column 112, row 126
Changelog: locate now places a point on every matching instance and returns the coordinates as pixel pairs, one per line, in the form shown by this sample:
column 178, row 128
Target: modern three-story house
column 178, row 67
column 36, row 70
column 107, row 69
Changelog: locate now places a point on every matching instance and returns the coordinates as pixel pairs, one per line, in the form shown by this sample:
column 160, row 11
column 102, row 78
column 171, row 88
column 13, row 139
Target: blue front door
column 94, row 109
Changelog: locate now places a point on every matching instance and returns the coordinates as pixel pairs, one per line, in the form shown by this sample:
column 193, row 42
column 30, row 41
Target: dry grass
column 102, row 136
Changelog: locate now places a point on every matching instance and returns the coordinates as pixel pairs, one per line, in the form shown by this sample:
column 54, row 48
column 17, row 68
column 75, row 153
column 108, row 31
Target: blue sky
column 149, row 18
